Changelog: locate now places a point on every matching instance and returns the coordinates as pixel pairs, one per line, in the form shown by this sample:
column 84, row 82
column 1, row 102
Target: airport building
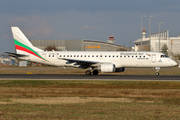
column 6, row 60
column 79, row 45
column 156, row 41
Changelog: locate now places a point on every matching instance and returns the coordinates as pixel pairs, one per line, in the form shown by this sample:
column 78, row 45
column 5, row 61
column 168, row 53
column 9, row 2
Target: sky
column 86, row 19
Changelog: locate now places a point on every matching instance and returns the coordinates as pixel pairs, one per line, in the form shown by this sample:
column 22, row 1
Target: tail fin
column 22, row 44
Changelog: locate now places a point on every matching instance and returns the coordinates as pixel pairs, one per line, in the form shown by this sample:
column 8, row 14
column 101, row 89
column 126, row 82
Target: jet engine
column 107, row 68
column 110, row 68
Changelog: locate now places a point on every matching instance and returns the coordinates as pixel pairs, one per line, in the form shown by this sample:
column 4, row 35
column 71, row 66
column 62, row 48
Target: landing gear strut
column 157, row 71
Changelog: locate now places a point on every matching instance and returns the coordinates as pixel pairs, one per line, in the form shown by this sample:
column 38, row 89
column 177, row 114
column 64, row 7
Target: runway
column 85, row 77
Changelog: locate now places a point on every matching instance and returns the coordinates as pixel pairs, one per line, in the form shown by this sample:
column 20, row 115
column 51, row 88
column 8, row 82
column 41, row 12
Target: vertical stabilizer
column 23, row 45
column 20, row 38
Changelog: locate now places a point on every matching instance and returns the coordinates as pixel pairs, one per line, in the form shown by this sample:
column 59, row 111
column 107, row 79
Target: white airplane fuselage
column 119, row 59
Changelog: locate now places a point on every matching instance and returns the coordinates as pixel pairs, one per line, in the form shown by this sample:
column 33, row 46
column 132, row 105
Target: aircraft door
column 153, row 58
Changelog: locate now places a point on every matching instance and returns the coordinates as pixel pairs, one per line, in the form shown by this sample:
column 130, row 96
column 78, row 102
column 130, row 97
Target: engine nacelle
column 107, row 68
column 120, row 69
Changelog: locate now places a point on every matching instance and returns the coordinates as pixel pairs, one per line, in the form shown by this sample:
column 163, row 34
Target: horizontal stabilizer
column 15, row 55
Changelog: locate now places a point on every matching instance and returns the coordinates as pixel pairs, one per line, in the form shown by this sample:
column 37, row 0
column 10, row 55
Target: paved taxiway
column 92, row 77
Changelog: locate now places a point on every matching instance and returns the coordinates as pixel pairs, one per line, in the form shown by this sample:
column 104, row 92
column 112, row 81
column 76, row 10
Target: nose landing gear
column 157, row 70
column 157, row 73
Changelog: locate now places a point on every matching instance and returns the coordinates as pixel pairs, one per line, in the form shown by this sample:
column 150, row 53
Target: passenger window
column 100, row 55
column 105, row 56
column 124, row 56
column 67, row 55
column 70, row 55
column 92, row 55
column 84, row 55
column 113, row 55
column 77, row 55
column 117, row 56
column 64, row 56
column 88, row 55
column 109, row 56
column 59, row 56
column 96, row 55
column 139, row 56
column 120, row 56
column 144, row 56
column 57, row 53
column 81, row 56
column 49, row 55
column 52, row 55
column 74, row 55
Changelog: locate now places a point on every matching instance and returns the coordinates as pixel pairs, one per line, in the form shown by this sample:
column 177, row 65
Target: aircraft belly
column 126, row 63
column 137, row 63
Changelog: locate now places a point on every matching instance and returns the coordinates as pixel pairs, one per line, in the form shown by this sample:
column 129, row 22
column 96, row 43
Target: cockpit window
column 164, row 56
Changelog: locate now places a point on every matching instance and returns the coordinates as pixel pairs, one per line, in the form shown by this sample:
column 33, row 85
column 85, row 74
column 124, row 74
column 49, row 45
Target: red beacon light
column 111, row 38
column 144, row 29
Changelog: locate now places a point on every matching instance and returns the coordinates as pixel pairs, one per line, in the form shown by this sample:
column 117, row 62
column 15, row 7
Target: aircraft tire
column 88, row 72
column 95, row 72
column 157, row 73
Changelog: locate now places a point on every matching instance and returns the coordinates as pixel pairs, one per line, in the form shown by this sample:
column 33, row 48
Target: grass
column 91, row 111
column 53, row 100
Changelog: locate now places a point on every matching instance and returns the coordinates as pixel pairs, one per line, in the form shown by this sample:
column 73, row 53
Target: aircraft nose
column 173, row 63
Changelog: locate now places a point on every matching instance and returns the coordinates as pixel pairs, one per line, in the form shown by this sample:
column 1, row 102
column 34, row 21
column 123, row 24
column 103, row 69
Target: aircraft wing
column 15, row 54
column 83, row 63
column 80, row 61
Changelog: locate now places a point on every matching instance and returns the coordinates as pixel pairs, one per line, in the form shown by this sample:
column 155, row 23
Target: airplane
column 93, row 61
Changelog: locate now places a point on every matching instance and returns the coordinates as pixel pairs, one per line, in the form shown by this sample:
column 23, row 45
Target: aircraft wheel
column 88, row 72
column 95, row 72
column 157, row 73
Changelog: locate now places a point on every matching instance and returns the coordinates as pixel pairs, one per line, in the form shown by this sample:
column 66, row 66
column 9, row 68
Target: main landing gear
column 88, row 72
column 95, row 72
column 157, row 70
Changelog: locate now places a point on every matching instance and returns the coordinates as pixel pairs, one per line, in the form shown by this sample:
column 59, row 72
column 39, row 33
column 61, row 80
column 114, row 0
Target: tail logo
column 25, row 48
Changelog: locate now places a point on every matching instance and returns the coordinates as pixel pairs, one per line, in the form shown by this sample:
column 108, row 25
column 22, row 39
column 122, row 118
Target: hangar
column 78, row 45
